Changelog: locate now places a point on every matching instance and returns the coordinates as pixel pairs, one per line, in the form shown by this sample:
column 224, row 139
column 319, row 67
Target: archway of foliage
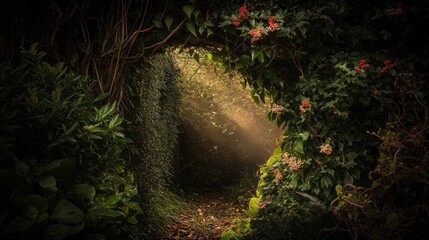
column 347, row 78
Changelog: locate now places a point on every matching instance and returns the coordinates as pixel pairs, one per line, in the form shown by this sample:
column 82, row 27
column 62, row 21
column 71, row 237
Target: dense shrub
column 152, row 111
column 62, row 174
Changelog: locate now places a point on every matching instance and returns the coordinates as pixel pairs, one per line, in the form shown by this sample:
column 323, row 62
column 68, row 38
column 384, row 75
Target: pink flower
column 256, row 34
column 235, row 22
column 326, row 149
column 277, row 109
column 293, row 162
column 278, row 176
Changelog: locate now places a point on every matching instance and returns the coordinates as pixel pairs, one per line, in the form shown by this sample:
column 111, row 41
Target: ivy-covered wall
column 152, row 114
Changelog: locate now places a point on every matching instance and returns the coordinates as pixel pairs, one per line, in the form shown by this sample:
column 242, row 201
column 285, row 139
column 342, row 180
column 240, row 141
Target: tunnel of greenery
column 95, row 144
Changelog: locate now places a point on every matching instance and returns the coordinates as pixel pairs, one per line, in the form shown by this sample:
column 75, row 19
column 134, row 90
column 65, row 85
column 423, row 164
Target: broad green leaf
column 39, row 202
column 21, row 169
column 253, row 206
column 188, row 10
column 201, row 30
column 209, row 57
column 304, row 136
column 196, row 13
column 157, row 23
column 67, row 213
column 48, row 182
column 19, row 224
column 275, row 157
column 85, row 190
column 57, row 231
column 76, row 229
column 60, row 169
column 244, row 60
column 209, row 32
column 255, row 53
column 298, row 146
column 96, row 213
column 113, row 199
column 168, row 21
column 197, row 57
column 191, row 27
column 30, row 212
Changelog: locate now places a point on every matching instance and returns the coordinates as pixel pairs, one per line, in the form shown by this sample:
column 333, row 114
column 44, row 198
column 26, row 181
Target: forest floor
column 206, row 216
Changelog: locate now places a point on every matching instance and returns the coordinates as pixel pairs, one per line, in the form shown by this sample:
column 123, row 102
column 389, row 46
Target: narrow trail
column 205, row 217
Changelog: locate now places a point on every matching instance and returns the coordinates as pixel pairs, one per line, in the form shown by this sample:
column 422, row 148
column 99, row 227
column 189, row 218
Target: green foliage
column 396, row 200
column 333, row 70
column 153, row 128
column 240, row 230
column 61, row 168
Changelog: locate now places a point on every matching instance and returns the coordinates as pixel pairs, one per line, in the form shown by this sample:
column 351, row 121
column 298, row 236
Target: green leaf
column 188, row 10
column 67, row 213
column 168, row 21
column 60, row 169
column 57, row 231
column 209, row 32
column 132, row 220
column 30, row 212
column 48, row 182
column 201, row 30
column 113, row 199
column 304, row 136
column 116, row 120
column 244, row 60
column 256, row 54
column 197, row 57
column 275, row 157
column 96, row 213
column 298, row 146
column 209, row 57
column 253, row 206
column 85, row 190
column 101, row 97
column 39, row 202
column 191, row 27
column 19, row 224
column 21, row 169
column 157, row 23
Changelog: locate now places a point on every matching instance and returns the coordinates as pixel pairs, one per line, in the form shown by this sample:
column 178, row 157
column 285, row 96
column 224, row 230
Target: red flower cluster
column 398, row 10
column 272, row 24
column 256, row 34
column 387, row 65
column 235, row 21
column 243, row 11
column 305, row 105
column 375, row 91
column 362, row 65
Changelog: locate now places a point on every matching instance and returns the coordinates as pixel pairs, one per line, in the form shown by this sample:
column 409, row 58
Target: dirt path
column 205, row 217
